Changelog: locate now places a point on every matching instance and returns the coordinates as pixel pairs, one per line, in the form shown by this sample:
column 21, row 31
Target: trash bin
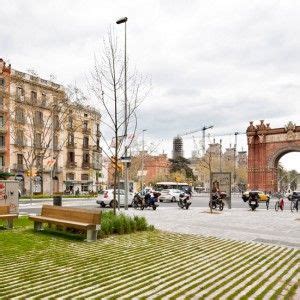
column 57, row 200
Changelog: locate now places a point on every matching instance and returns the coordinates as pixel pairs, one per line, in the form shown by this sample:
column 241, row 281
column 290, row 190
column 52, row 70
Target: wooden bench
column 68, row 217
column 6, row 215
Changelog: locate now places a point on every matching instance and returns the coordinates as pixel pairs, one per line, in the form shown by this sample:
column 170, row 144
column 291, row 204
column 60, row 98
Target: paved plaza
column 269, row 226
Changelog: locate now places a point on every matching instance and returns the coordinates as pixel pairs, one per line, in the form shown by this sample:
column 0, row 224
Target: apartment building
column 51, row 144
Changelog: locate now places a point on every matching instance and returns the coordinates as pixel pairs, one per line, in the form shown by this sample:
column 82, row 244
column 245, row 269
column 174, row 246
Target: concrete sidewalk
column 267, row 226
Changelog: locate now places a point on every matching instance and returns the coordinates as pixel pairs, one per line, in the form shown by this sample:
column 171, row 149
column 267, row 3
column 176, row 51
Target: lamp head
column 122, row 20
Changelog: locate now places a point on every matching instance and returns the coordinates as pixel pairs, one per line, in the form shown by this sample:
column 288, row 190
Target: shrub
column 141, row 223
column 120, row 224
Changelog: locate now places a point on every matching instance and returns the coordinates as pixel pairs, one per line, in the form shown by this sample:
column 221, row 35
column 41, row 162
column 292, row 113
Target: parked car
column 169, row 195
column 107, row 198
column 262, row 196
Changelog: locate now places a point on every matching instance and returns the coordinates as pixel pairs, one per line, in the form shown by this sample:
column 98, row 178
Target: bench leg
column 9, row 223
column 91, row 235
column 37, row 226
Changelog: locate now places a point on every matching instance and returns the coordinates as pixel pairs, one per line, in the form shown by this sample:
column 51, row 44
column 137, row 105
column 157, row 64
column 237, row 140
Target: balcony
column 3, row 108
column 71, row 164
column 97, row 149
column 20, row 143
column 97, row 166
column 70, row 127
column 18, row 167
column 86, row 131
column 85, row 147
column 2, row 129
column 86, row 165
column 2, row 148
column 71, row 145
column 20, row 120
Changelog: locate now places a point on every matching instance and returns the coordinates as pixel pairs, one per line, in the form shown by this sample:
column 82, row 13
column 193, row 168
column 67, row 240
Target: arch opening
column 287, row 167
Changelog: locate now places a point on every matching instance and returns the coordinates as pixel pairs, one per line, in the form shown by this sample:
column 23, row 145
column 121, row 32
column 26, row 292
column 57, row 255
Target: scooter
column 184, row 201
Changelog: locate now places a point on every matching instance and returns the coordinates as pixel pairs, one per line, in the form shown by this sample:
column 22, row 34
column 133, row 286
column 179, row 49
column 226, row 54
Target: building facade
column 51, row 143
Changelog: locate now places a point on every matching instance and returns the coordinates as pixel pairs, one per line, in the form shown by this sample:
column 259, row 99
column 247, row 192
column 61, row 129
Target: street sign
column 141, row 173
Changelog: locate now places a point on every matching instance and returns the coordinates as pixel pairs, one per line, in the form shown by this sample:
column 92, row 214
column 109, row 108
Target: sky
column 221, row 63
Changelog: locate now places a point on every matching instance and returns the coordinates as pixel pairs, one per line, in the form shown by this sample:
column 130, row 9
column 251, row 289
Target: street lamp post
column 143, row 157
column 121, row 21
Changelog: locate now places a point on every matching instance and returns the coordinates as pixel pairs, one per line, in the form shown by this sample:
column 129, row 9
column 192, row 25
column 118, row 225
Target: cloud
column 211, row 62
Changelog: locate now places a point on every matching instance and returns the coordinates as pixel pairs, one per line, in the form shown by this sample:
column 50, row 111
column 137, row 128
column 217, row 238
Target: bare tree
column 107, row 85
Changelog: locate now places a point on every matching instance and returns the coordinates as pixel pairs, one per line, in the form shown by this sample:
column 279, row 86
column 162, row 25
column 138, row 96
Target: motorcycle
column 184, row 201
column 253, row 200
column 217, row 201
column 138, row 201
column 145, row 202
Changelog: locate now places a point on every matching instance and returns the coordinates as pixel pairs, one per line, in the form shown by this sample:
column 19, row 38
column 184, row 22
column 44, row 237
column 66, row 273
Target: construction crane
column 204, row 128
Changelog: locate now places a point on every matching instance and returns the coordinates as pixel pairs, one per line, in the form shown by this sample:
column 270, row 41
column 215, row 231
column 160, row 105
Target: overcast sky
column 211, row 62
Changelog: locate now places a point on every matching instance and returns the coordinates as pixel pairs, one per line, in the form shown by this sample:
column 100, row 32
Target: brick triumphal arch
column 265, row 148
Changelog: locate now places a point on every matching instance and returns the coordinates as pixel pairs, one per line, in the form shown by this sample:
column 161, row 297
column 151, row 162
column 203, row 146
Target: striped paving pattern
column 152, row 265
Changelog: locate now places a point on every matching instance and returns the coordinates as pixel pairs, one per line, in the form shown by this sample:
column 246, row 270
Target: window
column 19, row 137
column 85, row 142
column 85, row 125
column 98, row 144
column 1, row 121
column 1, row 161
column 70, row 122
column 1, row 101
column 20, row 93
column 71, row 139
column 84, row 176
column 70, row 176
column 44, row 99
column 84, row 187
column 55, row 142
column 2, row 82
column 39, row 162
column 33, row 96
column 19, row 115
column 71, row 157
column 20, row 159
column 85, row 115
column 37, row 140
column 55, row 122
column 86, row 158
column 2, row 141
column 39, row 118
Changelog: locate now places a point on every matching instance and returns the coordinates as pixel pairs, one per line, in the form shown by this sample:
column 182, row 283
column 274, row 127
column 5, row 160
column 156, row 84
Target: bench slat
column 74, row 224
column 8, row 216
column 71, row 214
column 4, row 209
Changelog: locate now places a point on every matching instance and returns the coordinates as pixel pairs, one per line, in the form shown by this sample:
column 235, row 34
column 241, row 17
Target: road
column 198, row 200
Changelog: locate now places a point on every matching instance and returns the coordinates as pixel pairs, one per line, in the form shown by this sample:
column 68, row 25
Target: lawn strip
column 249, row 277
column 209, row 272
column 219, row 273
column 137, row 271
column 261, row 273
column 108, row 262
column 274, row 281
column 174, row 279
column 278, row 292
column 150, row 283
